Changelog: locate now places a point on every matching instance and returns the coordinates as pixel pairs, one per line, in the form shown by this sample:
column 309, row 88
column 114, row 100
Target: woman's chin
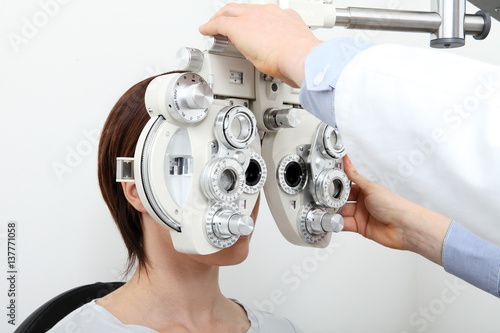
column 233, row 255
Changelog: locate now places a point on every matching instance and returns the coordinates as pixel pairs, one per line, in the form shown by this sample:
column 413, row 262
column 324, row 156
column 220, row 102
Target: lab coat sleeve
column 472, row 259
column 322, row 71
column 423, row 123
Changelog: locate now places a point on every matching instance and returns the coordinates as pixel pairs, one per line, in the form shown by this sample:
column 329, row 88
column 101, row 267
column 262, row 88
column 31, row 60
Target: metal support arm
column 447, row 22
column 406, row 21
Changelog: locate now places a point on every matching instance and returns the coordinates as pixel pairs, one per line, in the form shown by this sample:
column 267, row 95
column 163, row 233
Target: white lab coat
column 426, row 124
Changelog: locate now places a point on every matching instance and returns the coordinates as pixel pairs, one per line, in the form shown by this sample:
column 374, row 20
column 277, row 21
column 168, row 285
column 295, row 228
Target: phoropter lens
column 241, row 127
column 293, row 174
column 235, row 127
column 228, row 180
column 253, row 173
column 336, row 188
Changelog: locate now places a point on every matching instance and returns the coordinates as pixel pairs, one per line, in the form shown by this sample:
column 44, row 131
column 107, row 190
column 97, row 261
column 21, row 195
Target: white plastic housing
column 288, row 208
column 220, row 72
column 190, row 216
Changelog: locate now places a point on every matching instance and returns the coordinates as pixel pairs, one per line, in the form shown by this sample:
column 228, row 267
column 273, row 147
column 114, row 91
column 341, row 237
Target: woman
column 169, row 291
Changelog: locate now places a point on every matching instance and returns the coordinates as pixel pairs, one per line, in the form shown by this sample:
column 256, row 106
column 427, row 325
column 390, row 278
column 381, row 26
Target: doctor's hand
column 274, row 40
column 391, row 220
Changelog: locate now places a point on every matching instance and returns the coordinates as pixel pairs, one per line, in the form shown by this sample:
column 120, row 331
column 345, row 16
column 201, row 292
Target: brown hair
column 118, row 139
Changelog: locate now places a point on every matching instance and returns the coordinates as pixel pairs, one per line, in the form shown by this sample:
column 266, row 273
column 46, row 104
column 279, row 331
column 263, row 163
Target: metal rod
column 399, row 20
column 473, row 24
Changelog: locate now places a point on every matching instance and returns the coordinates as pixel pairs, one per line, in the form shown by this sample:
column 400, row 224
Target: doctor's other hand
column 275, row 40
column 391, row 220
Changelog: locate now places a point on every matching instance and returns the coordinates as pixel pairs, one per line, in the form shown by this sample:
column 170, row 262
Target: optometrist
column 423, row 123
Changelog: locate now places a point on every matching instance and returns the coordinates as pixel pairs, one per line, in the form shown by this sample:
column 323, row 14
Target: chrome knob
column 319, row 221
column 197, row 96
column 275, row 119
column 216, row 43
column 241, row 225
column 189, row 59
column 288, row 118
column 227, row 223
column 186, row 97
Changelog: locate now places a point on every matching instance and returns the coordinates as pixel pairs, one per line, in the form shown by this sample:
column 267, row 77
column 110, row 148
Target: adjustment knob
column 288, row 118
column 227, row 223
column 197, row 96
column 189, row 59
column 319, row 221
column 216, row 43
column 220, row 44
column 275, row 119
column 186, row 97
column 241, row 225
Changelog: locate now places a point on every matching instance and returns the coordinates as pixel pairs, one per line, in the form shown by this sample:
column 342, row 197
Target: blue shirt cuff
column 323, row 67
column 472, row 259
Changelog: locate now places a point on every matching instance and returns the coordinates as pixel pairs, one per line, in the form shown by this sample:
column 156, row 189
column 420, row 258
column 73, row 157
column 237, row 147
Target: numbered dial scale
column 315, row 223
column 255, row 174
column 185, row 97
column 292, row 174
column 332, row 188
column 224, row 224
column 223, row 179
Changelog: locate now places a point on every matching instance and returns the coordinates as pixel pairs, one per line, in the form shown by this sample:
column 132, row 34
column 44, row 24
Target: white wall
column 58, row 86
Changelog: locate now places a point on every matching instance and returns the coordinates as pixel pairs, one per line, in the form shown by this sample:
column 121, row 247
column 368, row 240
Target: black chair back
column 50, row 313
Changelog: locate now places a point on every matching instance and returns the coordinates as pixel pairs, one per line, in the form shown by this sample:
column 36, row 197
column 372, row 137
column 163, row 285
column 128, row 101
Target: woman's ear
column 132, row 196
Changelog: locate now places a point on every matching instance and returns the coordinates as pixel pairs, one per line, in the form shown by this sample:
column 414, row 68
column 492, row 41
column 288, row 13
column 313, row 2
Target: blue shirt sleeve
column 472, row 259
column 323, row 67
